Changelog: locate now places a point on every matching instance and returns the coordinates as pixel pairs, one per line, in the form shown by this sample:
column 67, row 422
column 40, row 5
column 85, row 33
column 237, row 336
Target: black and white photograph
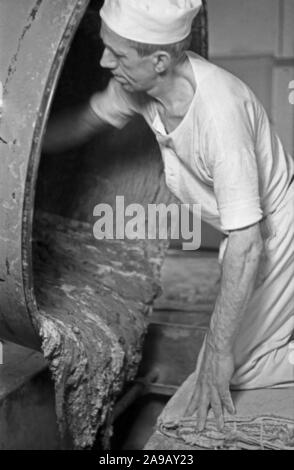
column 147, row 228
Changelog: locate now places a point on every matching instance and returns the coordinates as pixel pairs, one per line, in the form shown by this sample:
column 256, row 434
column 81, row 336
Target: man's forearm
column 71, row 128
column 239, row 270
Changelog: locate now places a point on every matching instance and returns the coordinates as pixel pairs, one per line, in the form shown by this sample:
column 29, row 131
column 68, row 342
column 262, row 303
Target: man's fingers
column 202, row 412
column 193, row 403
column 217, row 409
column 228, row 403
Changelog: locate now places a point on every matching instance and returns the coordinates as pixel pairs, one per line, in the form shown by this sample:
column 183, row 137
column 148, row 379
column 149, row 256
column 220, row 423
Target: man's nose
column 108, row 60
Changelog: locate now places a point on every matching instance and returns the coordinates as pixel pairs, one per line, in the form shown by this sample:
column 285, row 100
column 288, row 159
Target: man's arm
column 71, row 128
column 239, row 270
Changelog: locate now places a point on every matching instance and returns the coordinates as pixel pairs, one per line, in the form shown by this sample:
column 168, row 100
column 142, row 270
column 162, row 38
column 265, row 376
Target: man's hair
column 176, row 50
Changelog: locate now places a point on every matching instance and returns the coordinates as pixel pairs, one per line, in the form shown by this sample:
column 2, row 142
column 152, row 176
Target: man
column 218, row 150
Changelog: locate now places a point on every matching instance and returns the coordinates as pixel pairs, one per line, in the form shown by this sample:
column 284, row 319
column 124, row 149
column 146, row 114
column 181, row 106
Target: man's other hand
column 213, row 387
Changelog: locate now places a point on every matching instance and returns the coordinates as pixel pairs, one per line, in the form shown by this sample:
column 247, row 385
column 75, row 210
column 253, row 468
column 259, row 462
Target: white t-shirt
column 223, row 155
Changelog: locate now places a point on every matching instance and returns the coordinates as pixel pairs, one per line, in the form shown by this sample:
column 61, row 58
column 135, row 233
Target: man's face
column 133, row 72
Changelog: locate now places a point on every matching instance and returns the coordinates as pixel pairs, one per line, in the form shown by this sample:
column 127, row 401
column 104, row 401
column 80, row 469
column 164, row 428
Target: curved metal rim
column 34, row 160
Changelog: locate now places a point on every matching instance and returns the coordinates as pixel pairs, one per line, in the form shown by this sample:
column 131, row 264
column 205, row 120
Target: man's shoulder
column 219, row 82
column 220, row 93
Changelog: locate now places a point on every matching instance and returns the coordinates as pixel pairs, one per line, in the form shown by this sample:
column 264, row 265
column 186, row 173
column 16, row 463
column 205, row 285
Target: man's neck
column 175, row 90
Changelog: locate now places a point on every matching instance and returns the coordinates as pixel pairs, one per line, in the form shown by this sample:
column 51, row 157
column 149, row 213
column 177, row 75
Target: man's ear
column 161, row 61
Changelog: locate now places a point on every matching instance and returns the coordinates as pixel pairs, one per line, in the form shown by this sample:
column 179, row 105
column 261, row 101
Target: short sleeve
column 114, row 105
column 229, row 150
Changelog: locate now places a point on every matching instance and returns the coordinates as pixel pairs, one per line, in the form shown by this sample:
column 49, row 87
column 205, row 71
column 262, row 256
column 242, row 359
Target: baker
column 218, row 150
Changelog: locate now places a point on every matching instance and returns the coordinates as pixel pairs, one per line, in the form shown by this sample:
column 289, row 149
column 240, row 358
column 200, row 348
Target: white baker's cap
column 151, row 21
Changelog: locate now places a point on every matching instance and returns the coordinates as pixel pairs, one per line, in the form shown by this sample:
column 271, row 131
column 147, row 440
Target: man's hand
column 71, row 128
column 215, row 365
column 213, row 387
